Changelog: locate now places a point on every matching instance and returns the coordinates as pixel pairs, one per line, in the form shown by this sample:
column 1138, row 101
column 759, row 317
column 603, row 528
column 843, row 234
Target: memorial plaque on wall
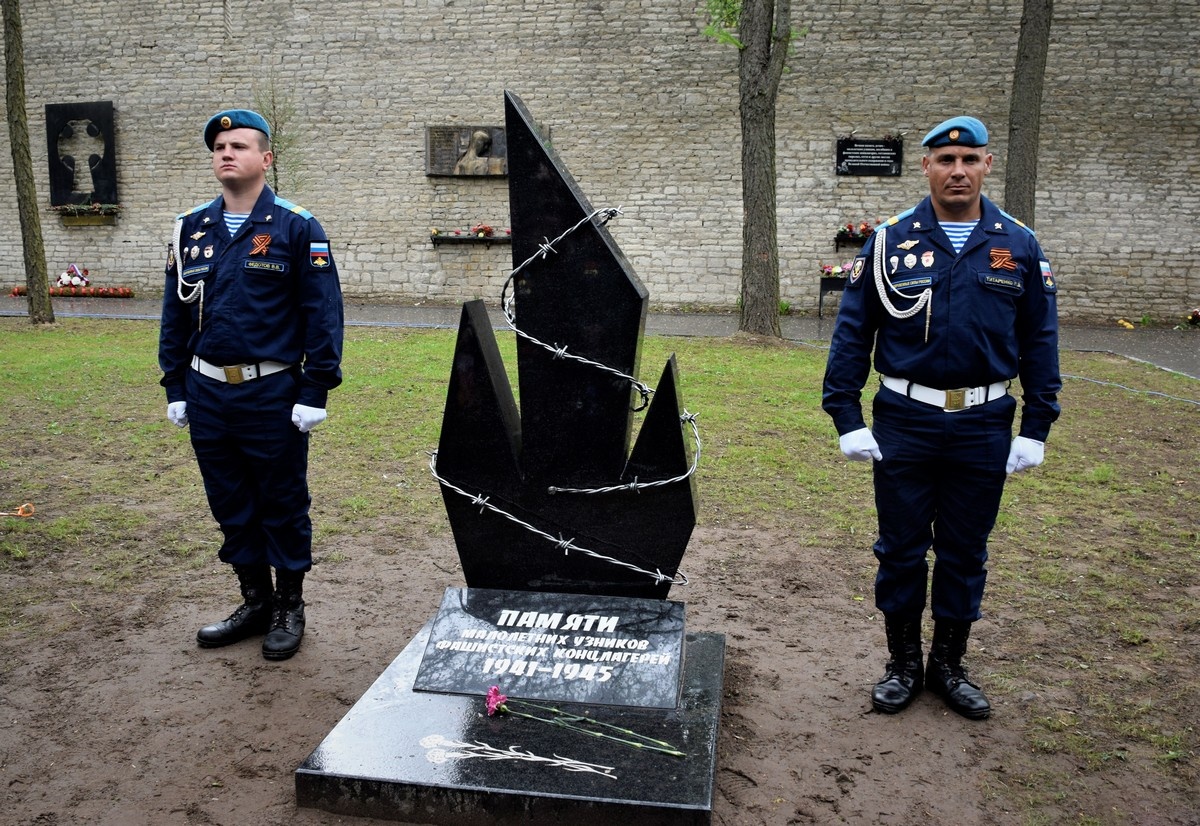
column 869, row 157
column 556, row 647
column 82, row 153
column 465, row 150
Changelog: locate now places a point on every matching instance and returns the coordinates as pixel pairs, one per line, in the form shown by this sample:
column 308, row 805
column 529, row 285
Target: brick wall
column 643, row 110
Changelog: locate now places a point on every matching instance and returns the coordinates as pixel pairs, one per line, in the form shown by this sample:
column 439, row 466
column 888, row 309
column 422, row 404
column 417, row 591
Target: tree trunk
column 36, row 280
column 765, row 31
column 1025, row 110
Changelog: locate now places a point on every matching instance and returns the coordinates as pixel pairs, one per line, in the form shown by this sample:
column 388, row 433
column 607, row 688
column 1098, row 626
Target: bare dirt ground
column 120, row 719
column 1089, row 648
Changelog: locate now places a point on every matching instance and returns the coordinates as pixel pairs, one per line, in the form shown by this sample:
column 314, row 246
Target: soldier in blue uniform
column 956, row 299
column 250, row 346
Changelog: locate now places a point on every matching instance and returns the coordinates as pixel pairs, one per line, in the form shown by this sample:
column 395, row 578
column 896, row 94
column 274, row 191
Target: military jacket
column 992, row 316
column 270, row 293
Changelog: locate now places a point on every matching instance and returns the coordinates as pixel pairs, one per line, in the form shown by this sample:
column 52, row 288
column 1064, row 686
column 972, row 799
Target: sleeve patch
column 1049, row 283
column 318, row 254
column 856, row 270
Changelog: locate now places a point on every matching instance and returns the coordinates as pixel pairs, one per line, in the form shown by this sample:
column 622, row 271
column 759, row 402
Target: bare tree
column 1025, row 110
column 36, row 280
column 764, row 39
column 277, row 106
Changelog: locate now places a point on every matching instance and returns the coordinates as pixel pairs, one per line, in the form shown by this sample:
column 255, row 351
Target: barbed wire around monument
column 560, row 352
column 560, row 542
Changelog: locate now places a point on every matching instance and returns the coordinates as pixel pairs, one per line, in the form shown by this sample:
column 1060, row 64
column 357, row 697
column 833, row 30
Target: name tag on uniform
column 198, row 271
column 1003, row 283
column 259, row 265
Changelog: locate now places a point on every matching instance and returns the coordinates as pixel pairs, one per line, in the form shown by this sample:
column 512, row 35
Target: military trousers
column 938, row 486
column 254, row 463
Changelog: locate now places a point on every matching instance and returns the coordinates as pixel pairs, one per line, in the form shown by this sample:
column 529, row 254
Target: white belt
column 948, row 400
column 237, row 373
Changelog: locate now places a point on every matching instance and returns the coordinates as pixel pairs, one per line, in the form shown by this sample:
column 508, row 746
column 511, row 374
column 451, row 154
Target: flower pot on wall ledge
column 480, row 234
column 87, row 220
column 87, row 215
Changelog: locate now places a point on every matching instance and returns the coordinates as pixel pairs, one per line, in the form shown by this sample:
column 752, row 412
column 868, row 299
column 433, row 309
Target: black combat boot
column 251, row 618
column 902, row 678
column 946, row 675
column 287, row 621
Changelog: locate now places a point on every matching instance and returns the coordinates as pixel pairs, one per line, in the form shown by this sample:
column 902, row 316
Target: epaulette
column 290, row 207
column 895, row 219
column 194, row 210
column 1018, row 223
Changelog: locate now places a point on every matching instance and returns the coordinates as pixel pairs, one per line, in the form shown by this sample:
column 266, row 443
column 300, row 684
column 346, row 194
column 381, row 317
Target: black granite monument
column 81, row 141
column 570, row 542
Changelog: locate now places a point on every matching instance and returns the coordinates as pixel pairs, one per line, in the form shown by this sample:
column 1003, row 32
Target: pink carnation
column 495, row 700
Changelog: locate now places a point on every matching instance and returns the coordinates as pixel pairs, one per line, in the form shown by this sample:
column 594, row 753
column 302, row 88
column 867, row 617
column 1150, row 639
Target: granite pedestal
column 424, row 757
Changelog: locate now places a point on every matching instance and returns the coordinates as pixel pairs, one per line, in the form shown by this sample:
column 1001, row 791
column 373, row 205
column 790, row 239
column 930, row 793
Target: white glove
column 860, row 446
column 306, row 418
column 1024, row 453
column 177, row 413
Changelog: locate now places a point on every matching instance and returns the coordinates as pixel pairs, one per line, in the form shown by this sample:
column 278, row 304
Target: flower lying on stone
column 499, row 703
column 495, row 700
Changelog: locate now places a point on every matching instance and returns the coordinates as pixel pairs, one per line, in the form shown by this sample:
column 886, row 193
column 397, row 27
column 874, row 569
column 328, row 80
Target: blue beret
column 234, row 119
column 960, row 131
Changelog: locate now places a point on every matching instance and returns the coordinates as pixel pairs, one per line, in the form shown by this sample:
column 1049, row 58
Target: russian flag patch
column 318, row 253
column 1048, row 277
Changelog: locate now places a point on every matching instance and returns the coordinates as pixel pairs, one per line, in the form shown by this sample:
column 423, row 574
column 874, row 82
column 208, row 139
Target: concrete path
column 1177, row 350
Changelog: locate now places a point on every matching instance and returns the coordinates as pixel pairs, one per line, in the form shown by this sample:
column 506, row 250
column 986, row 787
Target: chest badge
column 927, row 259
column 1002, row 259
column 909, row 244
column 208, row 251
column 261, row 244
column 910, row 261
column 195, row 252
column 196, row 236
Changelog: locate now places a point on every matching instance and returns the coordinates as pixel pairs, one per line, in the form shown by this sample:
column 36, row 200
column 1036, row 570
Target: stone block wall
column 643, row 110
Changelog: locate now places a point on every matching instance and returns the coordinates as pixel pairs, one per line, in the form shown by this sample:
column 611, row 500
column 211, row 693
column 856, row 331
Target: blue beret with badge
column 960, row 131
column 234, row 119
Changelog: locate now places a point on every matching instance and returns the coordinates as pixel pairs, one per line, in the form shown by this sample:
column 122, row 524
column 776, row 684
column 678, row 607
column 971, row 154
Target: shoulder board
column 1017, row 222
column 290, row 207
column 194, row 210
column 895, row 219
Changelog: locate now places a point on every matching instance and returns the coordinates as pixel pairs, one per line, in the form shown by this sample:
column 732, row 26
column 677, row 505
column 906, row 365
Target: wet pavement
column 1177, row 350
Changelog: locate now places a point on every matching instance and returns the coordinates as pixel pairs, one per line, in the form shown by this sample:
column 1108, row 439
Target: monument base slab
column 424, row 757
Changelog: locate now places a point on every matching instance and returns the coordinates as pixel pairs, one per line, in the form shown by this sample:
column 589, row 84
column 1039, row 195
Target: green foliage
column 722, row 19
